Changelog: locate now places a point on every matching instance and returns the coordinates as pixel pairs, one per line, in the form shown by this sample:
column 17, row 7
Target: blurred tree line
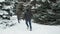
column 47, row 13
column 7, row 9
column 44, row 12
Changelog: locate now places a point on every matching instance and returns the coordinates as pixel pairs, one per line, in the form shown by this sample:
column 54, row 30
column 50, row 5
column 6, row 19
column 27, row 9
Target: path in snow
column 37, row 29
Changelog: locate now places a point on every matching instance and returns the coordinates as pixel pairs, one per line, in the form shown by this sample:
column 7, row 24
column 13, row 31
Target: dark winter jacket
column 19, row 9
column 28, row 14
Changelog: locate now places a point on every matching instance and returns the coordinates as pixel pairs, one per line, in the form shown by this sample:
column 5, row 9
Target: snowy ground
column 37, row 28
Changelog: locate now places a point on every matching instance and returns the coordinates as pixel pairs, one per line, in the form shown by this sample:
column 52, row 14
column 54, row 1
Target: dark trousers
column 18, row 17
column 28, row 23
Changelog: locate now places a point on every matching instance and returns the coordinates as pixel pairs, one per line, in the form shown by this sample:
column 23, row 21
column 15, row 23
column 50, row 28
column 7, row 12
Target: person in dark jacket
column 28, row 16
column 19, row 10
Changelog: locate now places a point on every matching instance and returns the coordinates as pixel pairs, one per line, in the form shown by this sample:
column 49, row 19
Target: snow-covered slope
column 37, row 28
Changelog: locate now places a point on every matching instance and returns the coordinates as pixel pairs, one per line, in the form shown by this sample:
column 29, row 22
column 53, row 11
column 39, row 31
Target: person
column 19, row 10
column 28, row 16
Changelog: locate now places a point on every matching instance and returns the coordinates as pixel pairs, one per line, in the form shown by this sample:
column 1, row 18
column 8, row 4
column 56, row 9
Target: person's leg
column 30, row 25
column 27, row 23
column 18, row 19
